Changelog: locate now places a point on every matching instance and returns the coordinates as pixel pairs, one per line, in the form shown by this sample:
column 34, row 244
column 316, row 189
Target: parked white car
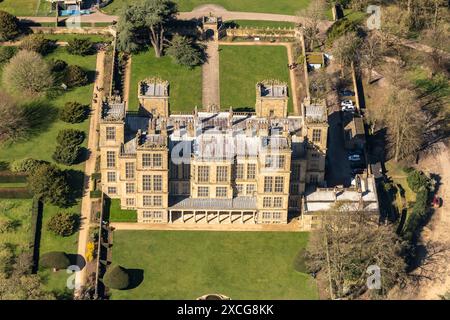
column 354, row 157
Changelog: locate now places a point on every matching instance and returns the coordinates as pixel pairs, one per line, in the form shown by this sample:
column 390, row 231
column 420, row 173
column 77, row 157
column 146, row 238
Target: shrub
column 81, row 47
column 13, row 120
column 299, row 262
column 26, row 165
column 64, row 224
column 184, row 52
column 37, row 43
column 58, row 65
column 417, row 181
column 418, row 214
column 116, row 277
column 75, row 76
column 49, row 184
column 90, row 251
column 339, row 28
column 67, row 154
column 74, row 112
column 27, row 73
column 6, row 53
column 71, row 137
column 54, row 259
column 9, row 26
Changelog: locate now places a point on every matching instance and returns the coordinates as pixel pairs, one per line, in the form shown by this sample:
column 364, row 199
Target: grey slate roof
column 238, row 203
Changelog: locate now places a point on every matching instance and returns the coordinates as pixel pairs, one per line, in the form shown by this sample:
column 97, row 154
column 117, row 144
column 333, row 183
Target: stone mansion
column 212, row 166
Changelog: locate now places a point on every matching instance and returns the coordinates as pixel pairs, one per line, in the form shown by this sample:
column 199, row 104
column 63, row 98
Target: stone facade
column 214, row 166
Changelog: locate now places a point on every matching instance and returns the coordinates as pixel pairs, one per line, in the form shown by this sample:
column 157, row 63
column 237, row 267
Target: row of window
column 151, row 183
column 274, row 184
column 221, row 173
column 150, row 160
column 152, row 216
column 221, row 192
column 149, row 201
column 249, row 189
column 272, row 202
column 271, row 215
column 251, row 171
column 274, row 161
column 180, row 171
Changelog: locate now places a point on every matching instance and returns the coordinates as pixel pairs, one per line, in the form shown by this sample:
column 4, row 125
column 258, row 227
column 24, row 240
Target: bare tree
column 346, row 50
column 371, row 53
column 312, row 16
column 27, row 74
column 13, row 122
column 347, row 243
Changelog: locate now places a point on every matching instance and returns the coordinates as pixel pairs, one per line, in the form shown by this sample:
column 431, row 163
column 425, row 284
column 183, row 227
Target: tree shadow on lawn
column 76, row 260
column 136, row 278
column 39, row 116
column 75, row 179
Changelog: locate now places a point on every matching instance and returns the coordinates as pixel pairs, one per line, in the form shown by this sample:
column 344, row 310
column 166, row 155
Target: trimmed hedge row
column 35, row 232
column 15, row 193
column 8, row 177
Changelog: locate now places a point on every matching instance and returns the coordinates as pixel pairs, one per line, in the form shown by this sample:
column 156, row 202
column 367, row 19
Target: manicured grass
column 189, row 264
column 116, row 214
column 185, row 85
column 42, row 143
column 268, row 6
column 24, row 8
column 56, row 281
column 262, row 24
column 17, row 209
column 241, row 67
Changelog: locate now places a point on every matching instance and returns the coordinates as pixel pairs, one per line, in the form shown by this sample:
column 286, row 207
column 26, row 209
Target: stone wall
column 85, row 30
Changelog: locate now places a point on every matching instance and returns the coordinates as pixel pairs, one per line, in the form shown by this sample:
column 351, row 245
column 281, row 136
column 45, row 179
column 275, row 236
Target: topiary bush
column 54, row 259
column 67, row 154
column 417, row 181
column 81, row 47
column 37, row 43
column 6, row 53
column 75, row 76
column 57, row 65
column 74, row 112
column 116, row 277
column 71, row 137
column 26, row 165
column 9, row 26
column 64, row 224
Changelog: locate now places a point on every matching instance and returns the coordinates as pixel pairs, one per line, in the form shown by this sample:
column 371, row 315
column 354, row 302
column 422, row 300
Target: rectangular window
column 146, row 183
column 111, row 159
column 296, row 172
column 239, row 171
column 157, row 183
column 276, row 215
column 129, row 202
column 203, row 174
column 313, row 178
column 314, row 165
column 129, row 188
column 186, row 188
column 279, row 184
column 239, row 189
column 294, row 188
column 267, row 202
column 280, row 160
column 110, row 133
column 111, row 176
column 157, row 160
column 222, row 174
column 268, row 161
column 250, row 189
column 203, row 191
column 147, row 214
column 186, row 171
column 147, row 201
column 157, row 201
column 221, row 192
column 251, row 171
column 112, row 190
column 268, row 181
column 317, row 134
column 277, row 202
column 129, row 170
column 147, row 160
column 266, row 215
column 174, row 171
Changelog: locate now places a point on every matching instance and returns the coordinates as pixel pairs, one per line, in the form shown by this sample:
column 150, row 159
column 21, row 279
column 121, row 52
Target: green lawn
column 241, row 67
column 116, row 214
column 56, row 281
column 266, row 6
column 189, row 264
column 26, row 7
column 17, row 209
column 42, row 142
column 185, row 84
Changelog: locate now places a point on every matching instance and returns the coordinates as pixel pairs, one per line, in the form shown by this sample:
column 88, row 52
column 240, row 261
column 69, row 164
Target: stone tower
column 153, row 95
column 271, row 99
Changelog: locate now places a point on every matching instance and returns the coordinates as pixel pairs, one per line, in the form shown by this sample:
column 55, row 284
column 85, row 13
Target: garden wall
column 262, row 32
column 85, row 30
